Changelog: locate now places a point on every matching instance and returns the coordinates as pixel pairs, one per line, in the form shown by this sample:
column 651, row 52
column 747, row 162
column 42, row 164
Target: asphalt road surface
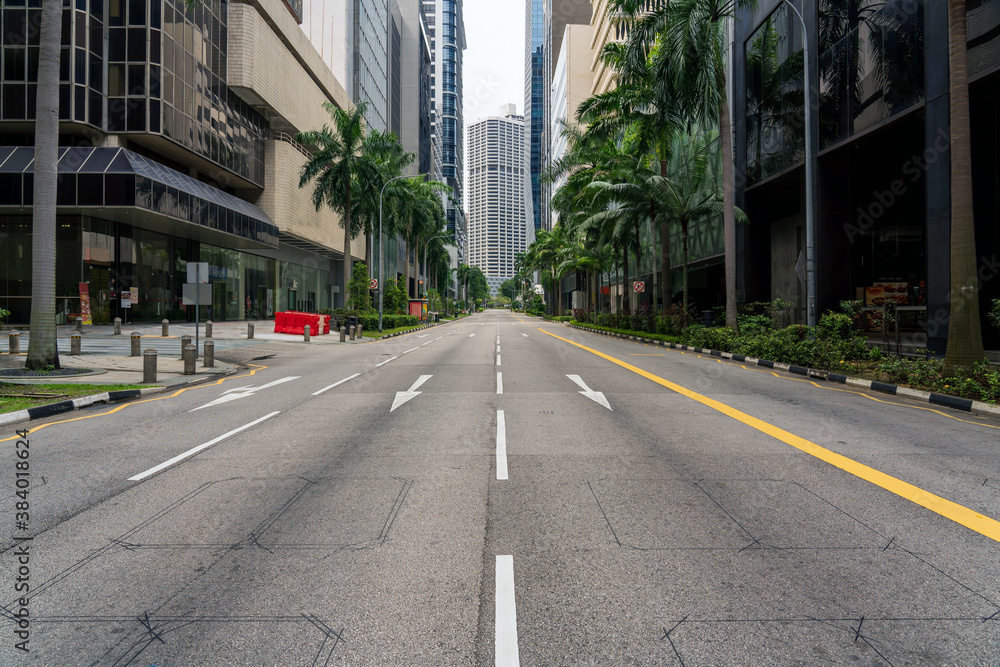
column 502, row 491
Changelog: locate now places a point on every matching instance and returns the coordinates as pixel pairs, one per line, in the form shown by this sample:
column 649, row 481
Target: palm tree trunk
column 728, row 202
column 965, row 337
column 406, row 268
column 42, row 348
column 667, row 293
column 347, row 246
column 684, row 250
column 626, row 292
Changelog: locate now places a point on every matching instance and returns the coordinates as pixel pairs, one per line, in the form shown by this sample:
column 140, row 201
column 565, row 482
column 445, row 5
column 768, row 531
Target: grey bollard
column 165, row 324
column 15, row 343
column 249, row 330
column 185, row 344
column 149, row 365
column 209, row 355
column 118, row 326
column 306, row 332
column 189, row 355
column 351, row 332
column 343, row 334
column 360, row 328
column 74, row 344
column 208, row 329
column 79, row 323
column 136, row 340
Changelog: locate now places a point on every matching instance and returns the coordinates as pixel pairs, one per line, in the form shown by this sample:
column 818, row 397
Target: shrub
column 713, row 338
column 994, row 314
column 4, row 314
column 358, row 297
column 389, row 321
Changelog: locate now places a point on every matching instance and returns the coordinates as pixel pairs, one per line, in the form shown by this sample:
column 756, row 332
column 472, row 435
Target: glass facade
column 534, row 103
column 370, row 74
column 113, row 257
column 139, row 67
column 871, row 67
column 871, row 63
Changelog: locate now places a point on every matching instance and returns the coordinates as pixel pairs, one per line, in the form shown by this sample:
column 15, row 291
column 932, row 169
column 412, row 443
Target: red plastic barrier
column 293, row 322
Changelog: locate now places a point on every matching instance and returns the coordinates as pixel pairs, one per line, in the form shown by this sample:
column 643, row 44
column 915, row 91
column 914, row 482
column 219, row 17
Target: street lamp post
column 427, row 243
column 810, row 215
column 381, row 261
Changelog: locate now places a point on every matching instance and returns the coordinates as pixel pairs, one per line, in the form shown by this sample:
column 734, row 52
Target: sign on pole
column 195, row 294
column 197, row 272
column 639, row 286
column 373, row 283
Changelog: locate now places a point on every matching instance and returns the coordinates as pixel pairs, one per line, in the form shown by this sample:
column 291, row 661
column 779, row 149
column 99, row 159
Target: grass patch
column 14, row 397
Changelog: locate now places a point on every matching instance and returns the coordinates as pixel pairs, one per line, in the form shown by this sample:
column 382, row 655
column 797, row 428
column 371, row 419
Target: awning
column 113, row 179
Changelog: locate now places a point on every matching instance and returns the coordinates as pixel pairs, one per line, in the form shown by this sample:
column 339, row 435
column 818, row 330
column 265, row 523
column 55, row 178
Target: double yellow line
column 971, row 519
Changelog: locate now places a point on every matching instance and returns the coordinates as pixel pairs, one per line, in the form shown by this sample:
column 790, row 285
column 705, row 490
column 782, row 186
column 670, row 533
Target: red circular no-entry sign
column 639, row 286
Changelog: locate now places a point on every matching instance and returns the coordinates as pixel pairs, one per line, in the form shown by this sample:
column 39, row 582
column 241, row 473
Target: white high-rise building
column 496, row 204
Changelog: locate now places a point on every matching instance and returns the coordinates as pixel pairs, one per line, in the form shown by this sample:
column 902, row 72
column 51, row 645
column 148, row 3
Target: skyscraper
column 446, row 30
column 497, row 221
column 352, row 37
column 535, row 106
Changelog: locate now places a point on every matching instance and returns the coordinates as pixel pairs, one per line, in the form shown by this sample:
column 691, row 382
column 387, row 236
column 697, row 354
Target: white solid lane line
column 335, row 384
column 195, row 450
column 412, row 349
column 499, row 383
column 506, row 615
column 501, row 445
column 386, row 361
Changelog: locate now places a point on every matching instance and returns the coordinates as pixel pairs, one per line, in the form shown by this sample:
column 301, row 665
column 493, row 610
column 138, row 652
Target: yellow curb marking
column 971, row 519
column 147, row 400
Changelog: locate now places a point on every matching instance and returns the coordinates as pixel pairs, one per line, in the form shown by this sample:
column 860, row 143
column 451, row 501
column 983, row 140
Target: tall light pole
column 427, row 243
column 381, row 261
column 810, row 216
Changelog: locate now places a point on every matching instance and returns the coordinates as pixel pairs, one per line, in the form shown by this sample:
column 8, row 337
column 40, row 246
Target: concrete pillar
column 149, row 365
column 15, row 343
column 136, row 340
column 118, row 326
column 165, row 324
column 74, row 344
column 343, row 334
column 306, row 332
column 249, row 330
column 208, row 359
column 79, row 323
column 208, row 329
column 360, row 328
column 190, row 351
column 351, row 333
column 185, row 344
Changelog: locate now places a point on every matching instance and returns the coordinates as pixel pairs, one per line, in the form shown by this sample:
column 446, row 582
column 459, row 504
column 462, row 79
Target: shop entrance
column 100, row 294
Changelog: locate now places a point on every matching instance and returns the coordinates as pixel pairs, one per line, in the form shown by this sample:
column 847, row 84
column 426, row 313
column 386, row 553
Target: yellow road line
column 971, row 519
column 147, row 400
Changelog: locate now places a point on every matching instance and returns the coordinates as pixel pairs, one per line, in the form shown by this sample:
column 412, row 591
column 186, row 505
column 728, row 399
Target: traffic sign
column 373, row 283
column 639, row 286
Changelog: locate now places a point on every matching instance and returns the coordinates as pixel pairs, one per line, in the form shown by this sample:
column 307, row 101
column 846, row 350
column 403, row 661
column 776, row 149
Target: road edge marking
column 960, row 514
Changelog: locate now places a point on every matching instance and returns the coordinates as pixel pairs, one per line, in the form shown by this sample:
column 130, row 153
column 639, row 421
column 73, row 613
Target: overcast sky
column 494, row 57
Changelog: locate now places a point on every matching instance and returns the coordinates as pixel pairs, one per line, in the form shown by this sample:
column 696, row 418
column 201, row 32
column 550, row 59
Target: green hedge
column 370, row 321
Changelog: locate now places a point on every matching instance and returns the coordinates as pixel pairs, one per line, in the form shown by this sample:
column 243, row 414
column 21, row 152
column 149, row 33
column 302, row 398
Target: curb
column 942, row 400
column 52, row 409
column 408, row 331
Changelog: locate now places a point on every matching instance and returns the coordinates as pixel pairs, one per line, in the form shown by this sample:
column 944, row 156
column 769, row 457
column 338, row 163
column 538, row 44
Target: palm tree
column 644, row 105
column 965, row 336
column 463, row 273
column 42, row 346
column 691, row 191
column 694, row 49
column 344, row 167
column 420, row 216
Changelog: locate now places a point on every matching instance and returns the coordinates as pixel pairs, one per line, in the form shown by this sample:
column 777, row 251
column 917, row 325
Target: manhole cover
column 21, row 373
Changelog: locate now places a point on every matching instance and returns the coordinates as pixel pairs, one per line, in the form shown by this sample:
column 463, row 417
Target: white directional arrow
column 595, row 396
column 471, row 335
column 525, row 335
column 409, row 394
column 243, row 392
